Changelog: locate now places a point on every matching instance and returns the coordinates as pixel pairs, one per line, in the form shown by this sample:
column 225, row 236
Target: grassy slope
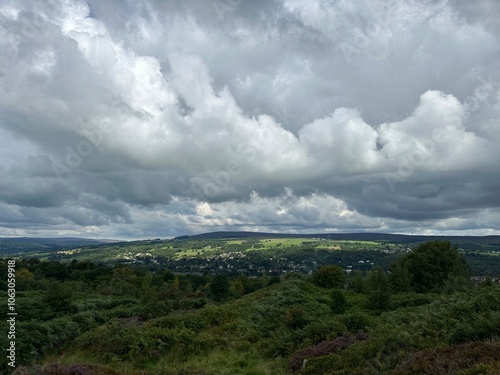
column 259, row 333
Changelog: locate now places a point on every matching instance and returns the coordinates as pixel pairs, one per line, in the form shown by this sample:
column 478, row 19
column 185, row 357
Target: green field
column 321, row 244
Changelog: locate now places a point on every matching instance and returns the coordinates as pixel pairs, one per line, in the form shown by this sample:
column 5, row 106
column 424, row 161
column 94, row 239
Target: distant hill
column 28, row 244
column 400, row 238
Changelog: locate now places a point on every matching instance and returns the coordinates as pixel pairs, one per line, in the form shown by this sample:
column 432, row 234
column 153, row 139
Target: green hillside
column 84, row 318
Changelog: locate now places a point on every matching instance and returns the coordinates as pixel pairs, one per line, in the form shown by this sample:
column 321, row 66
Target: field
column 255, row 255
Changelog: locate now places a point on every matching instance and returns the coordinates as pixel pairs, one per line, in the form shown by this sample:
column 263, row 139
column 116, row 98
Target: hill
column 129, row 321
column 9, row 245
column 388, row 237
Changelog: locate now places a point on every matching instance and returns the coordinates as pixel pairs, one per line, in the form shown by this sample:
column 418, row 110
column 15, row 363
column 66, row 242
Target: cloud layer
column 161, row 118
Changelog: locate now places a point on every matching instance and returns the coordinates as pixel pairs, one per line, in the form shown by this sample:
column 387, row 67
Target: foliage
column 59, row 297
column 324, row 348
column 219, row 287
column 142, row 320
column 329, row 277
column 430, row 265
column 339, row 302
column 379, row 289
column 449, row 360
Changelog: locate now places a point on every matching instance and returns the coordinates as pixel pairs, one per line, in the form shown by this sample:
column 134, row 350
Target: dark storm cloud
column 157, row 118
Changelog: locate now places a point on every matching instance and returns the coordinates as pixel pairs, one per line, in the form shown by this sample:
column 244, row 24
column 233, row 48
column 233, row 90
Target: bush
column 431, row 264
column 356, row 322
column 323, row 330
column 59, row 297
column 58, row 369
column 379, row 289
column 329, row 277
column 324, row 348
column 478, row 327
column 219, row 287
column 338, row 303
column 295, row 318
column 448, row 360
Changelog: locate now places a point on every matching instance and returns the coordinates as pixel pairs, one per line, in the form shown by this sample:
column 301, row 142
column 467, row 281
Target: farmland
column 258, row 255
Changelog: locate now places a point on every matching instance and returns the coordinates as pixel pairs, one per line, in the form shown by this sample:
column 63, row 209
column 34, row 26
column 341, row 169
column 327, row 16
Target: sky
column 159, row 118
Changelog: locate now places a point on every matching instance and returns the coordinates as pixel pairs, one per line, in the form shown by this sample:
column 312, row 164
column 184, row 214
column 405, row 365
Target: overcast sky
column 140, row 119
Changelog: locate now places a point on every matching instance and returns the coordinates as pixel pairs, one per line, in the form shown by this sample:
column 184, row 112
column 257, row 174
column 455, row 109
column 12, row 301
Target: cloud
column 164, row 118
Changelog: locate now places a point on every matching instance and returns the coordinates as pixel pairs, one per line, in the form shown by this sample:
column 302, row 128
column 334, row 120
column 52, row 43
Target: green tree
column 399, row 277
column 379, row 289
column 25, row 279
column 329, row 276
column 59, row 297
column 432, row 263
column 357, row 282
column 339, row 302
column 219, row 287
column 123, row 281
column 237, row 288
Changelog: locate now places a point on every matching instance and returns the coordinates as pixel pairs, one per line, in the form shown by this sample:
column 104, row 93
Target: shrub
column 295, row 318
column 448, row 360
column 323, row 330
column 480, row 327
column 356, row 322
column 329, row 277
column 59, row 297
column 57, row 369
column 324, row 348
column 431, row 264
column 219, row 287
column 379, row 289
column 338, row 303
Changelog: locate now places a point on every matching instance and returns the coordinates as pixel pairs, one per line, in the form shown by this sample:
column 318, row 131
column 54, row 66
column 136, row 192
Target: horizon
column 246, row 232
column 156, row 119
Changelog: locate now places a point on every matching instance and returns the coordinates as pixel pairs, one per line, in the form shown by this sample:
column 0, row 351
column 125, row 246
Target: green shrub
column 356, row 322
column 329, row 277
column 321, row 330
column 379, row 289
column 477, row 327
column 448, row 360
column 59, row 297
column 295, row 318
column 338, row 303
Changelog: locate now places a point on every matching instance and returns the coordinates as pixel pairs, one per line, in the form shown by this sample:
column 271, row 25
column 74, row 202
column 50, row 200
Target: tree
column 219, row 287
column 25, row 279
column 379, row 289
column 432, row 263
column 237, row 288
column 357, row 282
column 399, row 277
column 339, row 302
column 59, row 297
column 329, row 276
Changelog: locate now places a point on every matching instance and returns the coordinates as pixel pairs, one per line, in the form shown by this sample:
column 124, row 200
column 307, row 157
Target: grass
column 273, row 242
column 187, row 249
column 232, row 361
column 259, row 333
column 320, row 244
